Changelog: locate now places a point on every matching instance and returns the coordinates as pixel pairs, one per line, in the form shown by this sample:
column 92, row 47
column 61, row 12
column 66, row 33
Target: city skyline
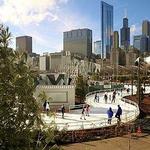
column 46, row 20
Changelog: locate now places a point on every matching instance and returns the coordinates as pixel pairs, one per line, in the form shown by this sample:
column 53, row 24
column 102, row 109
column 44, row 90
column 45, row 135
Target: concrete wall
column 64, row 94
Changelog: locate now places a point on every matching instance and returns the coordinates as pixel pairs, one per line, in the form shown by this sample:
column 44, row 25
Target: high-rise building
column 144, row 43
column 44, row 63
column 24, row 43
column 115, row 39
column 146, row 28
column 149, row 44
column 136, row 41
column 97, row 47
column 125, row 34
column 106, row 29
column 78, row 42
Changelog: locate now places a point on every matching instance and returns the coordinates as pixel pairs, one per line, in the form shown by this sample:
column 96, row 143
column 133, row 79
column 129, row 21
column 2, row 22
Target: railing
column 101, row 91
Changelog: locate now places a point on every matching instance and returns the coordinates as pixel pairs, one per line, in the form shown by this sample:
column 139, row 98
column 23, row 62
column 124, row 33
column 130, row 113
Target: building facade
column 144, row 43
column 146, row 28
column 78, row 42
column 125, row 34
column 24, row 43
column 44, row 63
column 136, row 41
column 97, row 47
column 60, row 94
column 106, row 29
column 115, row 39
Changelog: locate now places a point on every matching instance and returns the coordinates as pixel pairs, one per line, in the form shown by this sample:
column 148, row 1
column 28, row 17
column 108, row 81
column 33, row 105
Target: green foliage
column 18, row 108
column 20, row 122
column 44, row 97
column 81, row 86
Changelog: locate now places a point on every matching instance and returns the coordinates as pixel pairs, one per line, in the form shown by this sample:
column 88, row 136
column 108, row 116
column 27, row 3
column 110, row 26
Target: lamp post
column 138, row 82
column 132, row 81
column 139, row 85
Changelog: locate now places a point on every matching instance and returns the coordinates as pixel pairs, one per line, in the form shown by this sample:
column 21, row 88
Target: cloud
column 25, row 12
column 135, row 29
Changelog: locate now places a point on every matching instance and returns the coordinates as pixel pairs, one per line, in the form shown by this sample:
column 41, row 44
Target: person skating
column 44, row 105
column 87, row 110
column 83, row 113
column 110, row 114
column 105, row 98
column 47, row 107
column 113, row 98
column 63, row 110
column 119, row 113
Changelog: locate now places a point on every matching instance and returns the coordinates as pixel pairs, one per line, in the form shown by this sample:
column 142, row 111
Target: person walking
column 47, row 107
column 87, row 109
column 110, row 114
column 119, row 113
column 83, row 113
column 63, row 110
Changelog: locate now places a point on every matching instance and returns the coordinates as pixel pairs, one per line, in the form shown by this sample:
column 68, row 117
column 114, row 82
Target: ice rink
column 98, row 113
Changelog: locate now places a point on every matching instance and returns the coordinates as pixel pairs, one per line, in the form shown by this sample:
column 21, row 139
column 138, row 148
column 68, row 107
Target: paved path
column 118, row 143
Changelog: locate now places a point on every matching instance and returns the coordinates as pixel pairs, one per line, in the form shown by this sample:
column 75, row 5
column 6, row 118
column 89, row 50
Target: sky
column 46, row 20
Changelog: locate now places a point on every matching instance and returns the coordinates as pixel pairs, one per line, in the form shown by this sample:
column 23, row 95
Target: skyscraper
column 106, row 28
column 136, row 41
column 146, row 28
column 144, row 43
column 125, row 34
column 97, row 47
column 78, row 41
column 115, row 39
column 24, row 43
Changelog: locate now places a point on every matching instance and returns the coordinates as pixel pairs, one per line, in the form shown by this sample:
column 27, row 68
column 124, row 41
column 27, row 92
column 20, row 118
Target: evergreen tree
column 19, row 112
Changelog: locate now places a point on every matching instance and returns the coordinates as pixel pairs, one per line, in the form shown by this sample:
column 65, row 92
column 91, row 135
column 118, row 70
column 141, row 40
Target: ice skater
column 87, row 110
column 44, row 105
column 47, row 107
column 83, row 113
column 105, row 98
column 63, row 110
column 113, row 98
column 118, row 113
column 110, row 114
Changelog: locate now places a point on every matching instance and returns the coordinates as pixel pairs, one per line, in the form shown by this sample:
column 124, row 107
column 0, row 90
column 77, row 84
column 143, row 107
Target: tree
column 19, row 111
column 81, row 87
column 44, row 97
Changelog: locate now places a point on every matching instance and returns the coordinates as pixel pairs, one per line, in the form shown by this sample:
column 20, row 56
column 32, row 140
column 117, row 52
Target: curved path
column 98, row 115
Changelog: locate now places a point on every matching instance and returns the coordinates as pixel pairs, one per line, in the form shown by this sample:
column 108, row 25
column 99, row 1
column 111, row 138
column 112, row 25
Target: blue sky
column 45, row 20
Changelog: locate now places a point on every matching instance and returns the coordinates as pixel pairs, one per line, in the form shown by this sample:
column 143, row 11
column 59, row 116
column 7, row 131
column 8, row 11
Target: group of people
column 86, row 108
column 85, row 111
column 111, row 98
column 110, row 114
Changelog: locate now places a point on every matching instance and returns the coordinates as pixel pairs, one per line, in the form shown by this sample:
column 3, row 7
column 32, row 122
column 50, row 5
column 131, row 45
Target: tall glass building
column 125, row 34
column 97, row 47
column 106, row 29
column 136, row 41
